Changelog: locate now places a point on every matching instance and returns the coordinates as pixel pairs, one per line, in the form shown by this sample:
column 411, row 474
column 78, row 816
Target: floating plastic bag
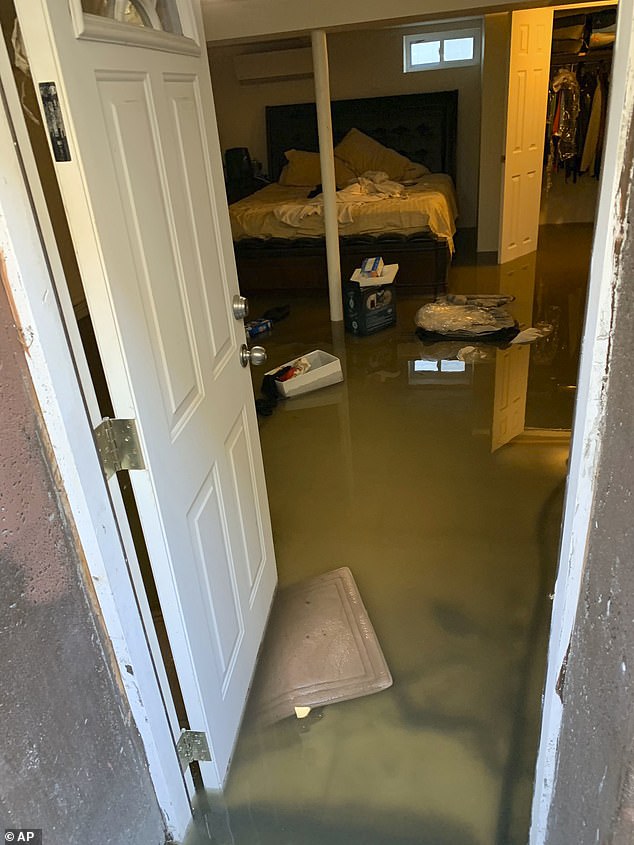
column 465, row 321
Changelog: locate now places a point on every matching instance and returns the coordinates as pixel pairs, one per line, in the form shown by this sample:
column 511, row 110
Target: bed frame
column 422, row 127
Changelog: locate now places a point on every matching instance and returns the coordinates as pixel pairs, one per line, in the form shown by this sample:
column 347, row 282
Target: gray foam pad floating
column 320, row 648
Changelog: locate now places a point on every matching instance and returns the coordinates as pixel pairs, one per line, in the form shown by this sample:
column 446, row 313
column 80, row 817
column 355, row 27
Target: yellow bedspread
column 430, row 204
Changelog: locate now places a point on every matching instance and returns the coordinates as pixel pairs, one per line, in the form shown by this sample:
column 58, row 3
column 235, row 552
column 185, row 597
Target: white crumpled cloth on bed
column 372, row 186
column 429, row 205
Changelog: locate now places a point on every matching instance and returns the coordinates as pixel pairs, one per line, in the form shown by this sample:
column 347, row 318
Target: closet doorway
column 558, row 86
column 580, row 69
column 579, row 84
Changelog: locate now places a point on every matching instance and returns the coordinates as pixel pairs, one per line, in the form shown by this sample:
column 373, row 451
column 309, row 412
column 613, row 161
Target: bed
column 278, row 247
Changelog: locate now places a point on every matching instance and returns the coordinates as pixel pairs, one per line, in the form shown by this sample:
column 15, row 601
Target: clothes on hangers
column 578, row 94
column 566, row 87
column 604, row 77
column 592, row 135
column 564, row 109
column 576, row 119
column 588, row 83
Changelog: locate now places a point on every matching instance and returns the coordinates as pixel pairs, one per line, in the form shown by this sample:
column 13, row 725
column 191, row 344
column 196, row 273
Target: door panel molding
column 526, row 116
column 156, row 256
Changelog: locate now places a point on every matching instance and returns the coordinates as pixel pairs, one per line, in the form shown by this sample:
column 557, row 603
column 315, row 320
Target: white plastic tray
column 325, row 369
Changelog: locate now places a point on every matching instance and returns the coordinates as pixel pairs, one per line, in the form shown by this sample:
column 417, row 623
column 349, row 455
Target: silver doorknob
column 255, row 356
column 240, row 307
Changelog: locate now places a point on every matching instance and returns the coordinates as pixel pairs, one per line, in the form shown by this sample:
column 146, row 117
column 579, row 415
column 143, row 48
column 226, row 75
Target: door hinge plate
column 191, row 746
column 118, row 446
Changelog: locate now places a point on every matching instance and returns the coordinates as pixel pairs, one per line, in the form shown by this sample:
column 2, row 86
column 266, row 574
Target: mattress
column 430, row 205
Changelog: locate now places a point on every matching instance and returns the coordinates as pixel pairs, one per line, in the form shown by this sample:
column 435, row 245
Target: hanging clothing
column 588, row 82
column 578, row 93
column 602, row 125
column 592, row 135
column 566, row 85
column 563, row 129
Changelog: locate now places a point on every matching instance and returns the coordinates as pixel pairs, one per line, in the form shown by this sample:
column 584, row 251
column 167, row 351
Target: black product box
column 368, row 309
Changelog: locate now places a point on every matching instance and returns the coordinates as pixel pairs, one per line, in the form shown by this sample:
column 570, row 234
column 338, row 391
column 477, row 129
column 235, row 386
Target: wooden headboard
column 422, row 127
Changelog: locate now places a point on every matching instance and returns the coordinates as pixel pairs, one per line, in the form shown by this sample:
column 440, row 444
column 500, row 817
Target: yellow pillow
column 304, row 170
column 415, row 171
column 362, row 153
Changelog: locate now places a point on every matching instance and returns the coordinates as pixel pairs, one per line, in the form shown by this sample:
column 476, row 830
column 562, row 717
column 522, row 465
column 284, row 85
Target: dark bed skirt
column 276, row 264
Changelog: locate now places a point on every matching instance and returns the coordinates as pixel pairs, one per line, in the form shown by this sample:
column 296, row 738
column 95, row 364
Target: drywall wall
column 228, row 19
column 71, row 759
column 593, row 795
column 240, row 106
column 364, row 63
column 495, row 65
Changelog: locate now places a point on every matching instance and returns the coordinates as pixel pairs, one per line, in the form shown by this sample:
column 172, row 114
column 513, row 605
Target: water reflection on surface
column 453, row 547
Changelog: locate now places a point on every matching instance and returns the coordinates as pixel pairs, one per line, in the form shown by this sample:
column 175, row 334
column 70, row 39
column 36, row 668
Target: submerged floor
column 453, row 548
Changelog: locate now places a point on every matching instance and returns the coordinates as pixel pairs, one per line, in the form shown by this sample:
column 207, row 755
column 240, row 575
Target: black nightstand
column 238, row 189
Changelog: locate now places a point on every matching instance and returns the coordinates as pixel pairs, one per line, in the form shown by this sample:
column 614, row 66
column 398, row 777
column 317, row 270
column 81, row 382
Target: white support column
column 327, row 160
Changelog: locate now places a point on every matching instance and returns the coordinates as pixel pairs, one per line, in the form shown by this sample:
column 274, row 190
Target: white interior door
column 531, row 36
column 509, row 403
column 517, row 279
column 141, row 177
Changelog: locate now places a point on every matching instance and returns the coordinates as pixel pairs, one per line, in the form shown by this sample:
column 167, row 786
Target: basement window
column 444, row 49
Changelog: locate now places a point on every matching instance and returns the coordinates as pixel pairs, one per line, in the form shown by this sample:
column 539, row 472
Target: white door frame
column 589, row 410
column 45, row 324
column 67, row 400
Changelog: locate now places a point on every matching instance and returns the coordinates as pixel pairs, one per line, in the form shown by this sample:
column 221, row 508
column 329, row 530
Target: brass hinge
column 191, row 746
column 118, row 446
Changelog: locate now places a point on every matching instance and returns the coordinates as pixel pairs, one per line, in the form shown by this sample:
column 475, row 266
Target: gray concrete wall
column 71, row 761
column 594, row 789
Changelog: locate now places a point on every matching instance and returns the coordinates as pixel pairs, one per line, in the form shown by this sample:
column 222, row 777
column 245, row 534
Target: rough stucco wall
column 71, row 762
column 593, row 799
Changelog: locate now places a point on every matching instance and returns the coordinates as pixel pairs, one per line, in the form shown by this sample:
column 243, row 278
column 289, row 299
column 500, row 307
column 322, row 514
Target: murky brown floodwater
column 453, row 548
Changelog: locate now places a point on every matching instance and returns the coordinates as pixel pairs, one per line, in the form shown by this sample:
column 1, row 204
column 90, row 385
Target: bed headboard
column 422, row 127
